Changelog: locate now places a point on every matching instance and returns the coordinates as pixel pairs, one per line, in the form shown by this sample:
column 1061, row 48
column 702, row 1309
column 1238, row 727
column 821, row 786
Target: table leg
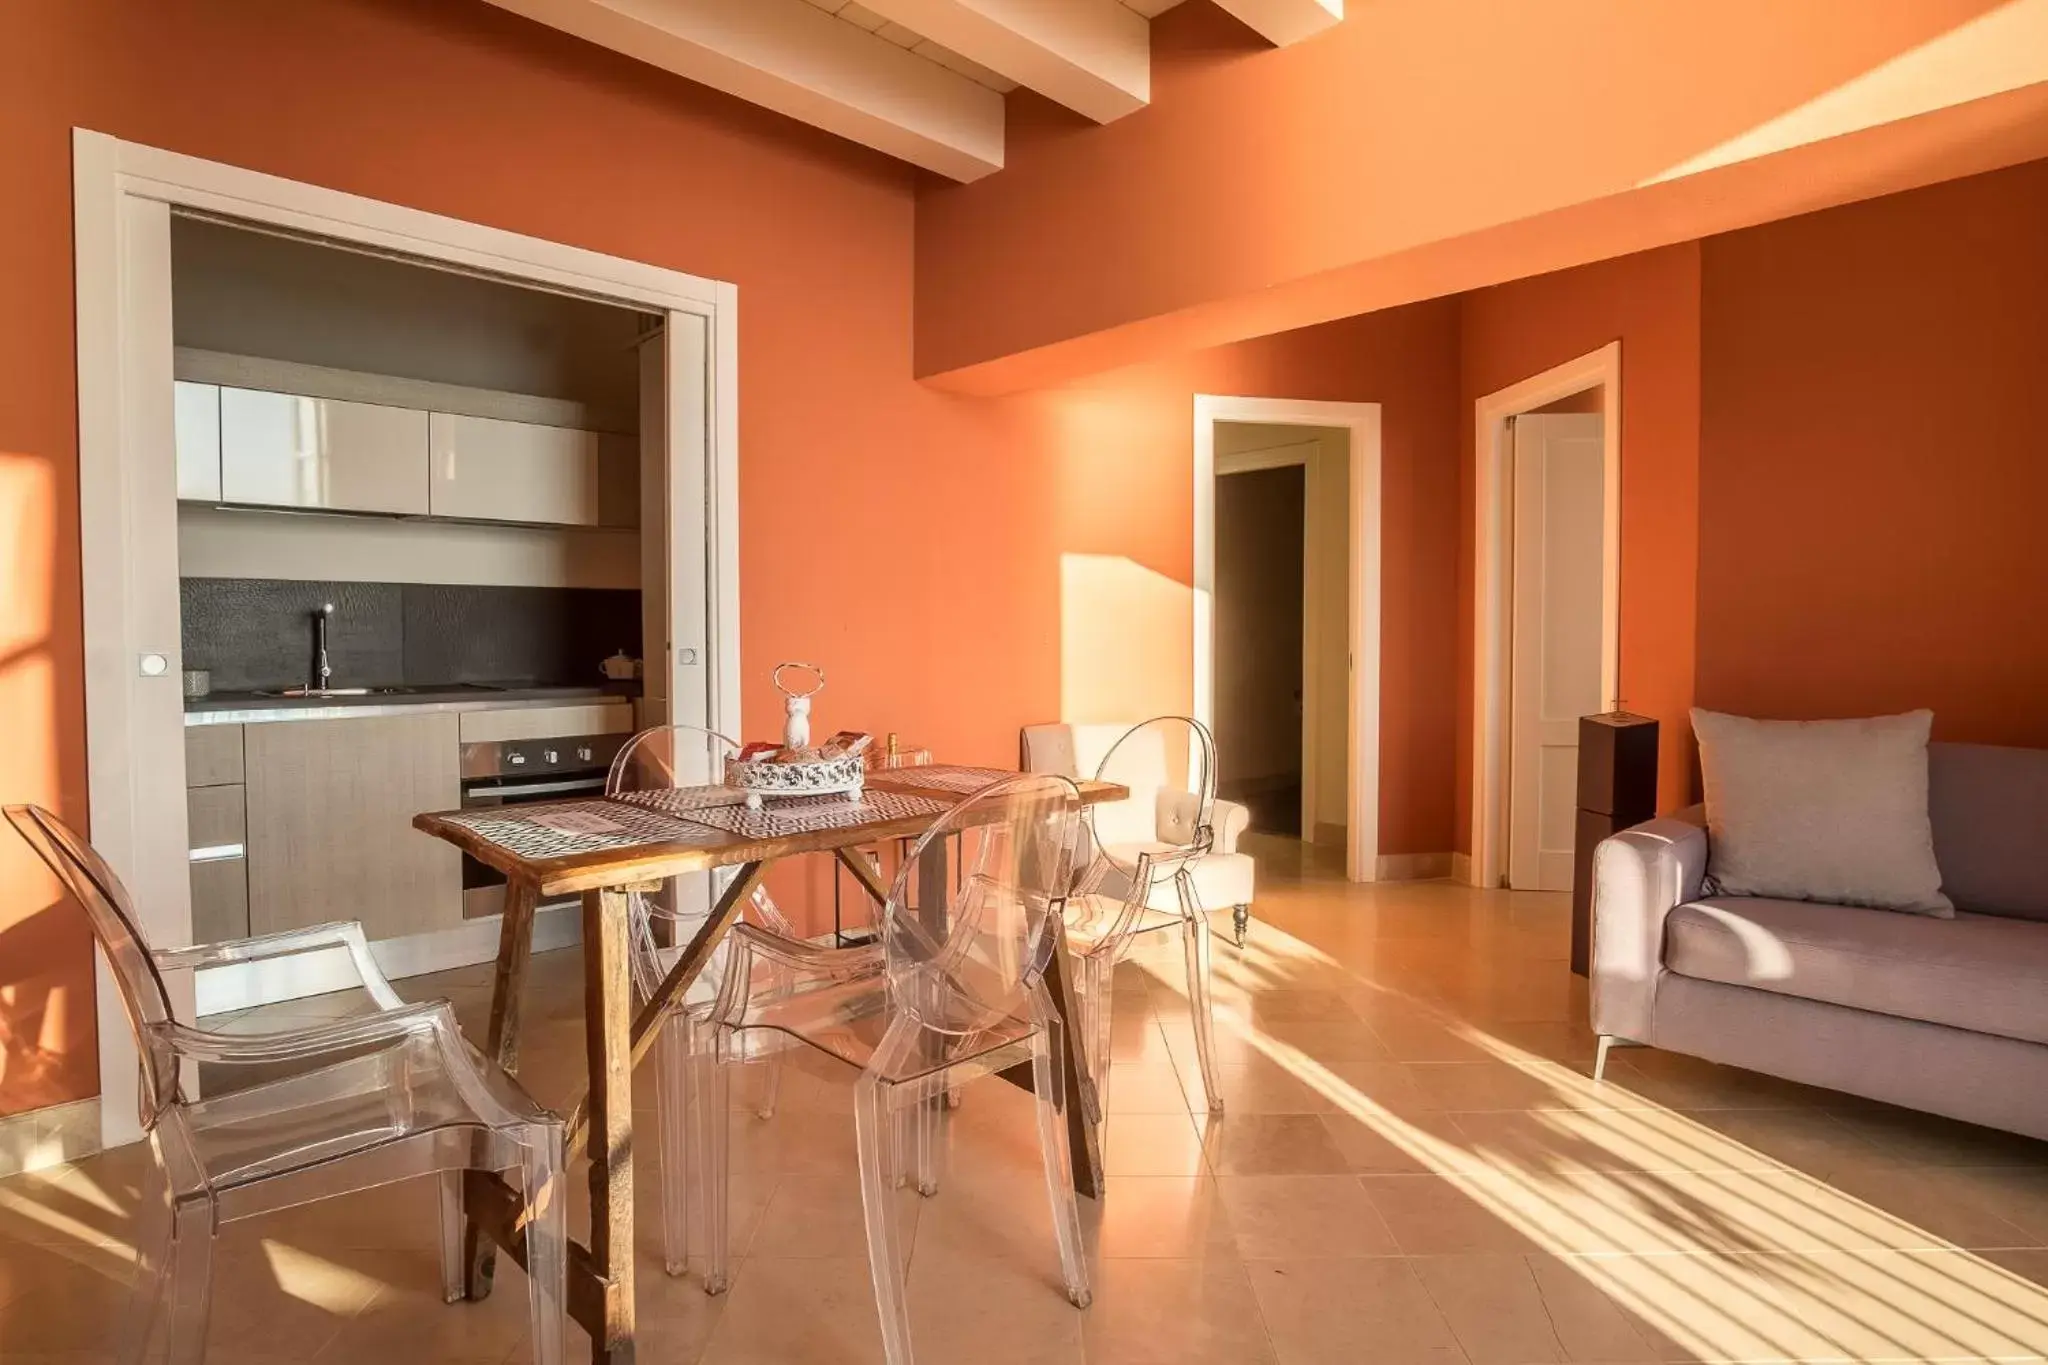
column 608, row 1044
column 1084, row 1150
column 515, row 950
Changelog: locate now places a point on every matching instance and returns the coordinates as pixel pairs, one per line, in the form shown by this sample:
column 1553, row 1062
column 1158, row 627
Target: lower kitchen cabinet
column 330, row 807
column 219, row 868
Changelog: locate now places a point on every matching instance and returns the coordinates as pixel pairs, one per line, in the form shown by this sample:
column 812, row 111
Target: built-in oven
column 517, row 772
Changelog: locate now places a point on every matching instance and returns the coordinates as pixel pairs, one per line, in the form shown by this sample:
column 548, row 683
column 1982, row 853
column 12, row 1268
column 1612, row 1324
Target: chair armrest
column 341, row 1036
column 1639, row 876
column 346, row 934
column 1229, row 820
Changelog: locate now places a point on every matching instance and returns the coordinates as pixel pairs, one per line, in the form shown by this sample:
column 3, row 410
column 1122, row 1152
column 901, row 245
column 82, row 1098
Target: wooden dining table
column 604, row 847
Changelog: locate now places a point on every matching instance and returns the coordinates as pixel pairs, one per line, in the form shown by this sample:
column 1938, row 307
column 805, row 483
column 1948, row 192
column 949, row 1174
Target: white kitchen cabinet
column 288, row 450
column 196, row 412
column 488, row 469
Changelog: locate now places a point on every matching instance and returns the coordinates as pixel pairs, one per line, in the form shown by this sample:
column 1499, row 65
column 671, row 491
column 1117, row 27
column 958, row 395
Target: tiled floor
column 1413, row 1166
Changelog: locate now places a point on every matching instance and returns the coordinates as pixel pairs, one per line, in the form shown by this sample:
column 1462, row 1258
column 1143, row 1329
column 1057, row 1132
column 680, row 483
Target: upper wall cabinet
column 488, row 469
column 197, row 413
column 288, row 450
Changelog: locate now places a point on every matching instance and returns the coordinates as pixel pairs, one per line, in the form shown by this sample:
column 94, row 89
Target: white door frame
column 123, row 194
column 1362, row 421
column 1491, row 616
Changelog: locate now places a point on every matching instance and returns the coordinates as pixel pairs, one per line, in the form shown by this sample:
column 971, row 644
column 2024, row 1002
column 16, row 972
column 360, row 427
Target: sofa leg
column 1608, row 1042
column 1240, row 922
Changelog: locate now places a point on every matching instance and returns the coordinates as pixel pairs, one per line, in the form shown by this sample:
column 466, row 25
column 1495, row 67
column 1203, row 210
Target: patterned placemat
column 944, row 777
column 683, row 800
column 809, row 814
column 523, row 829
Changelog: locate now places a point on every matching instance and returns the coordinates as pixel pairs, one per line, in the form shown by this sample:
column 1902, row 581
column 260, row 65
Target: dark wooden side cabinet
column 1617, row 788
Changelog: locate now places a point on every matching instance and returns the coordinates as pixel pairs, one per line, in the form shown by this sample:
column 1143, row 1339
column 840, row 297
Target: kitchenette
column 410, row 578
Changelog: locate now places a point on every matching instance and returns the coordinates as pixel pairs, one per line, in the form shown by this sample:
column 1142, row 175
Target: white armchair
column 1224, row 876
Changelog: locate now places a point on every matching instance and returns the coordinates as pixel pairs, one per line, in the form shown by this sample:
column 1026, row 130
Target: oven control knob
column 585, row 754
column 515, row 759
column 550, row 757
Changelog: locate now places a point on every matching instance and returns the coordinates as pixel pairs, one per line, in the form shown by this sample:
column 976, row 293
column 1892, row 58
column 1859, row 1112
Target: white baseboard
column 292, row 978
column 1461, row 868
column 1413, row 867
column 41, row 1138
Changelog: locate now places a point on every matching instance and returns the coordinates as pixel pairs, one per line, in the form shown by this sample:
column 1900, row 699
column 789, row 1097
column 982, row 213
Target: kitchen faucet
column 321, row 671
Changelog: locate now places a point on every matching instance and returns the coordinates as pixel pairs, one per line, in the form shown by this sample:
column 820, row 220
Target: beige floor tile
column 1386, row 1144
column 1414, row 1166
column 814, row 1213
column 1590, row 1326
column 1494, row 1306
column 1287, row 1217
column 1175, row 1312
column 811, row 1311
column 1430, row 1216
column 1368, row 1311
column 1265, row 1087
column 993, row 1310
column 1151, row 1144
column 1271, row 1144
column 1176, row 1217
column 1146, row 1088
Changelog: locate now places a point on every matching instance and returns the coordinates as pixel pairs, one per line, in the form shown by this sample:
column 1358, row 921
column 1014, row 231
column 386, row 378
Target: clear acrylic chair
column 956, row 992
column 661, row 924
column 341, row 1107
column 1138, row 849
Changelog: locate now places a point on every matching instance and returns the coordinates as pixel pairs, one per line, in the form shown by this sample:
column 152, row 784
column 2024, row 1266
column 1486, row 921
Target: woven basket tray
column 832, row 776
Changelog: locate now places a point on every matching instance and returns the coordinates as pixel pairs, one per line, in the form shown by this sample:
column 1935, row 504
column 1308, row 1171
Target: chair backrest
column 969, row 924
column 669, row 756
column 1169, row 765
column 111, row 915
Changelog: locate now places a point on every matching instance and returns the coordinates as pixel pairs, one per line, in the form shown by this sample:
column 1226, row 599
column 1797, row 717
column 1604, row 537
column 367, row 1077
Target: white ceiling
column 922, row 80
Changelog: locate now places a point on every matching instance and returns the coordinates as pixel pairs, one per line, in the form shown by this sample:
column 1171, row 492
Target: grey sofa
column 1948, row 1016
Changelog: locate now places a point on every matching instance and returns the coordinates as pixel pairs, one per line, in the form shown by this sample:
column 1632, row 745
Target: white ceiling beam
column 1093, row 56
column 798, row 60
column 1281, row 22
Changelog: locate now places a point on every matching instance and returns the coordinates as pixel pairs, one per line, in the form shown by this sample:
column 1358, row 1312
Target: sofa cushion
column 1989, row 806
column 1821, row 810
column 1979, row 972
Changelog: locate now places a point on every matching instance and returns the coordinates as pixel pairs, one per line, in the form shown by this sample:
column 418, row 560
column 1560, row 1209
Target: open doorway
column 1287, row 615
column 1548, row 574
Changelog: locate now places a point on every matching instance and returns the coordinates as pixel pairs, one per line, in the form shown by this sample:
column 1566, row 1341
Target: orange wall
column 1651, row 303
column 1423, row 147
column 1138, row 423
column 933, row 591
column 462, row 109
column 1874, row 461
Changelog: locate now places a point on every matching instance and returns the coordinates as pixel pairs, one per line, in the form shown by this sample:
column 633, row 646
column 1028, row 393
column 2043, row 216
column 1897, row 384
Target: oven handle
column 505, row 789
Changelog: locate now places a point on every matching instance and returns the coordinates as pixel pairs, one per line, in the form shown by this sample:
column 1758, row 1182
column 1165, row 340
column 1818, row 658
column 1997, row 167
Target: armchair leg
column 1240, row 922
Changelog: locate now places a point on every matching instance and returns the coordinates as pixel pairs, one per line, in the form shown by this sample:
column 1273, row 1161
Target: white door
column 1558, row 513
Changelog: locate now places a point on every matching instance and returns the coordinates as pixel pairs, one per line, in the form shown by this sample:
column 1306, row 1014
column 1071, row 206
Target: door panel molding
column 1492, row 533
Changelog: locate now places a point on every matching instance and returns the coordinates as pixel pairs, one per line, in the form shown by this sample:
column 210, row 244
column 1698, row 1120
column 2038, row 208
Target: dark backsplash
column 256, row 633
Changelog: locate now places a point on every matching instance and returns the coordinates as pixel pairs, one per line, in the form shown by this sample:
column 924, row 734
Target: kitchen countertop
column 248, row 708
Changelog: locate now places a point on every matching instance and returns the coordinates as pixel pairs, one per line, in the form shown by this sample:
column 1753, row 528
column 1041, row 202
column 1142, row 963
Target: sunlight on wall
column 1727, row 1253
column 1996, row 52
column 1126, row 641
column 35, row 1023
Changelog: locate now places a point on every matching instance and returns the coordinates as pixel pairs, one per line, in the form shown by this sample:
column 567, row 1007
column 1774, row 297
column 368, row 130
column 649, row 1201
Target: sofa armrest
column 1639, row 876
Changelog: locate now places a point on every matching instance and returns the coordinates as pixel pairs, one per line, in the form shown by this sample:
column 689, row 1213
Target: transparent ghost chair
column 957, row 992
column 338, row 1108
column 661, row 924
column 1140, row 878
